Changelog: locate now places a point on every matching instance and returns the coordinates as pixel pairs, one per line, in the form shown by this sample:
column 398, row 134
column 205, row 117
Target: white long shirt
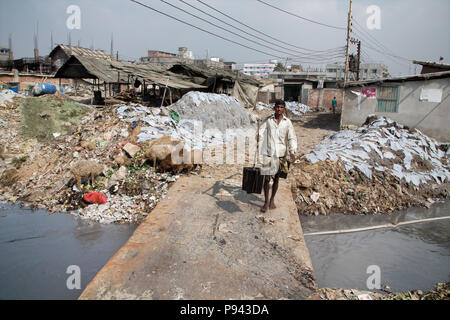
column 277, row 137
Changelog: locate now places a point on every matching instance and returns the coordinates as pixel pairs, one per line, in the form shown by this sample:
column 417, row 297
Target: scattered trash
column 6, row 96
column 44, row 88
column 315, row 196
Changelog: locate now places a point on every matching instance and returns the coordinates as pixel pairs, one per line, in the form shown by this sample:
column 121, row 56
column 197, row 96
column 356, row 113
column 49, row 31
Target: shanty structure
column 61, row 53
column 418, row 101
column 243, row 87
column 114, row 75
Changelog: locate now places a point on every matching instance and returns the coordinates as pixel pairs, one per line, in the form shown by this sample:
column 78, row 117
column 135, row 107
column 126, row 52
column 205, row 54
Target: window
column 374, row 71
column 387, row 97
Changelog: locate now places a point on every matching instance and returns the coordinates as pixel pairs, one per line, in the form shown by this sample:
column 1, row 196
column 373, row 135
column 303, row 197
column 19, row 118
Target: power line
column 228, row 24
column 201, row 29
column 251, row 28
column 300, row 17
column 234, row 33
column 377, row 43
column 389, row 56
column 398, row 59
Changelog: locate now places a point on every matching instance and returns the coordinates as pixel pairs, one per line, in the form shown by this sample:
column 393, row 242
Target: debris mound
column 380, row 167
column 215, row 111
column 198, row 119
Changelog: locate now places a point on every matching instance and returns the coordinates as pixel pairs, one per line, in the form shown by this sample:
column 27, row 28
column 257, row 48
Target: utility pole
column 358, row 59
column 11, row 55
column 112, row 47
column 349, row 30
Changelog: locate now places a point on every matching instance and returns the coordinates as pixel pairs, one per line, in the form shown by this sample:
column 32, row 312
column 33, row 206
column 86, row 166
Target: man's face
column 279, row 109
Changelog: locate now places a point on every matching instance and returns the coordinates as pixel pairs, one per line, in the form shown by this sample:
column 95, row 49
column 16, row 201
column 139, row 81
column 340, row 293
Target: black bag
column 252, row 180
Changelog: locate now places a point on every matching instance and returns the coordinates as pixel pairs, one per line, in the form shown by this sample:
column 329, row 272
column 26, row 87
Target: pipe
column 390, row 225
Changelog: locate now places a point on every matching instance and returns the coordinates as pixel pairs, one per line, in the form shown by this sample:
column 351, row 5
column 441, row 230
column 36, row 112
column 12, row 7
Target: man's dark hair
column 280, row 103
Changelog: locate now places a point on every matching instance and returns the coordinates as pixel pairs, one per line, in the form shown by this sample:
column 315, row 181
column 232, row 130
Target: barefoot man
column 278, row 143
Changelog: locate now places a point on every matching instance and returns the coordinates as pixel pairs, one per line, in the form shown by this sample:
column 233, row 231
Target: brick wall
column 26, row 80
column 322, row 98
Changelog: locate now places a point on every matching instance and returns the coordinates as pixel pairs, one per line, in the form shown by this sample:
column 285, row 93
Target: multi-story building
column 167, row 59
column 367, row 71
column 5, row 57
column 214, row 62
column 261, row 70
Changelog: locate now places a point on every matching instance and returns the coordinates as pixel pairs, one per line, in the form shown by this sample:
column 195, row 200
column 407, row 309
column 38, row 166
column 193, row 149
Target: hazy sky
column 412, row 29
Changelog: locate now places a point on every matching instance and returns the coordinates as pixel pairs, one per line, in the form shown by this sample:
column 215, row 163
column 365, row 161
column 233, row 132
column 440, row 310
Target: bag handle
column 257, row 143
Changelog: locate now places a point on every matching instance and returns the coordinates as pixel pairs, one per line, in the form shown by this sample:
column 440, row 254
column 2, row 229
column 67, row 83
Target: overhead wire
column 360, row 28
column 304, row 59
column 377, row 46
column 262, row 33
column 206, row 31
column 253, row 35
column 300, row 17
column 236, row 34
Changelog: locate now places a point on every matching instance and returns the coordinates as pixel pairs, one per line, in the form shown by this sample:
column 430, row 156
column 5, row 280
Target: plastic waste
column 95, row 197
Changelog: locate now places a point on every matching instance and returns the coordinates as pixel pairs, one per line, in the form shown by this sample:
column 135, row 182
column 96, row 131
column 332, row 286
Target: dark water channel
column 36, row 249
column 413, row 256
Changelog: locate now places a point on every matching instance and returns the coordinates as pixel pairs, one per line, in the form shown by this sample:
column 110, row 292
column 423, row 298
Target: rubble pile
column 47, row 137
column 198, row 119
column 39, row 172
column 214, row 111
column 441, row 291
column 128, row 200
column 380, row 167
column 128, row 95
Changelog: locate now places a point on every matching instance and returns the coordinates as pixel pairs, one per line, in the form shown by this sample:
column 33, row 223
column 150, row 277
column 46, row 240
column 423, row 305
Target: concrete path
column 208, row 240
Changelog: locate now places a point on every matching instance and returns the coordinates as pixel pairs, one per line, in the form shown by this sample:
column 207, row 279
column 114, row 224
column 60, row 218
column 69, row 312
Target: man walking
column 334, row 104
column 279, row 141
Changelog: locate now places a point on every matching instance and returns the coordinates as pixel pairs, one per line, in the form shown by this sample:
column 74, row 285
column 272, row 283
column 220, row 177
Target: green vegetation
column 43, row 116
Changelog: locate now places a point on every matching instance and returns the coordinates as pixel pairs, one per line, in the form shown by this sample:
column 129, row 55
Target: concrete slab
column 208, row 240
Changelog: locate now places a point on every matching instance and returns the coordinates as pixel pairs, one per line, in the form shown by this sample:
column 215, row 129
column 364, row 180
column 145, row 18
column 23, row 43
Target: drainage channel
column 41, row 253
column 411, row 248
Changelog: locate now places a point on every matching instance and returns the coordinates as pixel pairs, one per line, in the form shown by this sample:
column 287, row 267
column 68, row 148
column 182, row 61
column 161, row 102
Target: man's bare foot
column 264, row 209
column 272, row 206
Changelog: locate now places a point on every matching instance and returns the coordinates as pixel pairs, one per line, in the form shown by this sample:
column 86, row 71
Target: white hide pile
column 385, row 145
column 296, row 108
column 6, row 95
column 204, row 118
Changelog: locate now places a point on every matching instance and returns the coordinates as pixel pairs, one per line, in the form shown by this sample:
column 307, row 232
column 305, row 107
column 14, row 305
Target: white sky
column 413, row 29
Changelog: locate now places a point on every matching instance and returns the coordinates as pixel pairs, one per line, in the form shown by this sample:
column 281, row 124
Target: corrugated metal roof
column 110, row 71
column 433, row 64
column 195, row 71
column 76, row 51
column 418, row 77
